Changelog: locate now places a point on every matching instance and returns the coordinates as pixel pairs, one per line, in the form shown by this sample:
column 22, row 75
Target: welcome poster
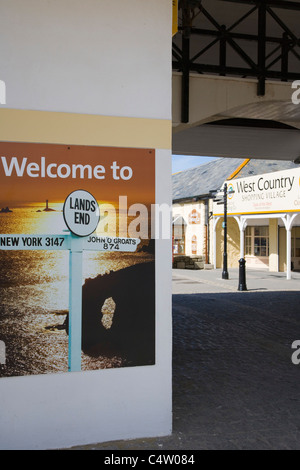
column 118, row 288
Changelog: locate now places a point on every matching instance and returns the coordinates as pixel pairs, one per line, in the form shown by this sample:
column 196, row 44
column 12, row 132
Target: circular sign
column 81, row 213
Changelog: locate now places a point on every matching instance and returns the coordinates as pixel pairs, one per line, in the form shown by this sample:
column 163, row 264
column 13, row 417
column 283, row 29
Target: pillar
column 215, row 221
column 288, row 220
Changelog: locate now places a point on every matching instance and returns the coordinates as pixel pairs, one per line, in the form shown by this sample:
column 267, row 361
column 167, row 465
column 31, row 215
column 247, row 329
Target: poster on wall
column 118, row 280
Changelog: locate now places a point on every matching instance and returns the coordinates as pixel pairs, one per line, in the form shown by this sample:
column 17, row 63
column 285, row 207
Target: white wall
column 192, row 229
column 93, row 56
column 113, row 59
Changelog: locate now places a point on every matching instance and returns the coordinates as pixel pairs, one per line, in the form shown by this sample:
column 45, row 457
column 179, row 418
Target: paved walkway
column 203, row 281
column 234, row 383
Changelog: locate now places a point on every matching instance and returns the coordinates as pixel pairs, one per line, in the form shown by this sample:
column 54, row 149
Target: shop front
column 263, row 222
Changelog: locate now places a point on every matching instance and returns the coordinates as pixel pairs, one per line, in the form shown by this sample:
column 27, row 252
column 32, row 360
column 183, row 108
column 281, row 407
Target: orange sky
column 24, row 190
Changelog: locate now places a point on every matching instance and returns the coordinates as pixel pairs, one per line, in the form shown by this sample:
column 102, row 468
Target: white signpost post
column 81, row 214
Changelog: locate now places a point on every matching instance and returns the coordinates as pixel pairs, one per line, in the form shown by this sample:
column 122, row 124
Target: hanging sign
column 174, row 17
column 263, row 194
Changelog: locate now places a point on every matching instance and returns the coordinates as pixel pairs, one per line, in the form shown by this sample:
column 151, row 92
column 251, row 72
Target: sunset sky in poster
column 23, row 190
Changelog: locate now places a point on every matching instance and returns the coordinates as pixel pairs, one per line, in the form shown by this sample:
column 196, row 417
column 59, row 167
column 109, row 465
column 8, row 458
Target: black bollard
column 242, row 275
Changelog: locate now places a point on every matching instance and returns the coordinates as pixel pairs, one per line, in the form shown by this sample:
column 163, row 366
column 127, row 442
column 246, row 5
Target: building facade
column 263, row 215
column 190, row 228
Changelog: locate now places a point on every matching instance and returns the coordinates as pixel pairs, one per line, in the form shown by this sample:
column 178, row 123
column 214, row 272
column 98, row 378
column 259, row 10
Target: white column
column 215, row 221
column 242, row 244
column 242, row 223
column 288, row 253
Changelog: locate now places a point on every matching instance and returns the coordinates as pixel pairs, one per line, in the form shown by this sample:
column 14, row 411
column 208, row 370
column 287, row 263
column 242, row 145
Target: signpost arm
column 75, row 303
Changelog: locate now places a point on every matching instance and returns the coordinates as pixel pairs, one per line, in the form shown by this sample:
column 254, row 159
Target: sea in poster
column 118, row 307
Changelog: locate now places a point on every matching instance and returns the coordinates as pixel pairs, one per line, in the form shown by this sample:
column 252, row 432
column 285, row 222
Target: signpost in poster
column 81, row 215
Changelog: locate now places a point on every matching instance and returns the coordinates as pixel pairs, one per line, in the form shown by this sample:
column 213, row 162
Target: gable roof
column 199, row 181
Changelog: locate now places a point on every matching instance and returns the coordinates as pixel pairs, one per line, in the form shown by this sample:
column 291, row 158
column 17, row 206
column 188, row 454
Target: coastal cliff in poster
column 118, row 287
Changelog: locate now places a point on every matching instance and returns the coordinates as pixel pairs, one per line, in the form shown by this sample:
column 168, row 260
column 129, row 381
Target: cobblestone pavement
column 234, row 383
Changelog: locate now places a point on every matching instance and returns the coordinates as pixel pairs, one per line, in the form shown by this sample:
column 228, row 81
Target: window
column 248, row 241
column 194, row 245
column 257, row 241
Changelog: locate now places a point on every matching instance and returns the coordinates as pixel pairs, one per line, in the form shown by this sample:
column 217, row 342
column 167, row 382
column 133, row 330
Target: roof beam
column 244, row 36
column 286, row 5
